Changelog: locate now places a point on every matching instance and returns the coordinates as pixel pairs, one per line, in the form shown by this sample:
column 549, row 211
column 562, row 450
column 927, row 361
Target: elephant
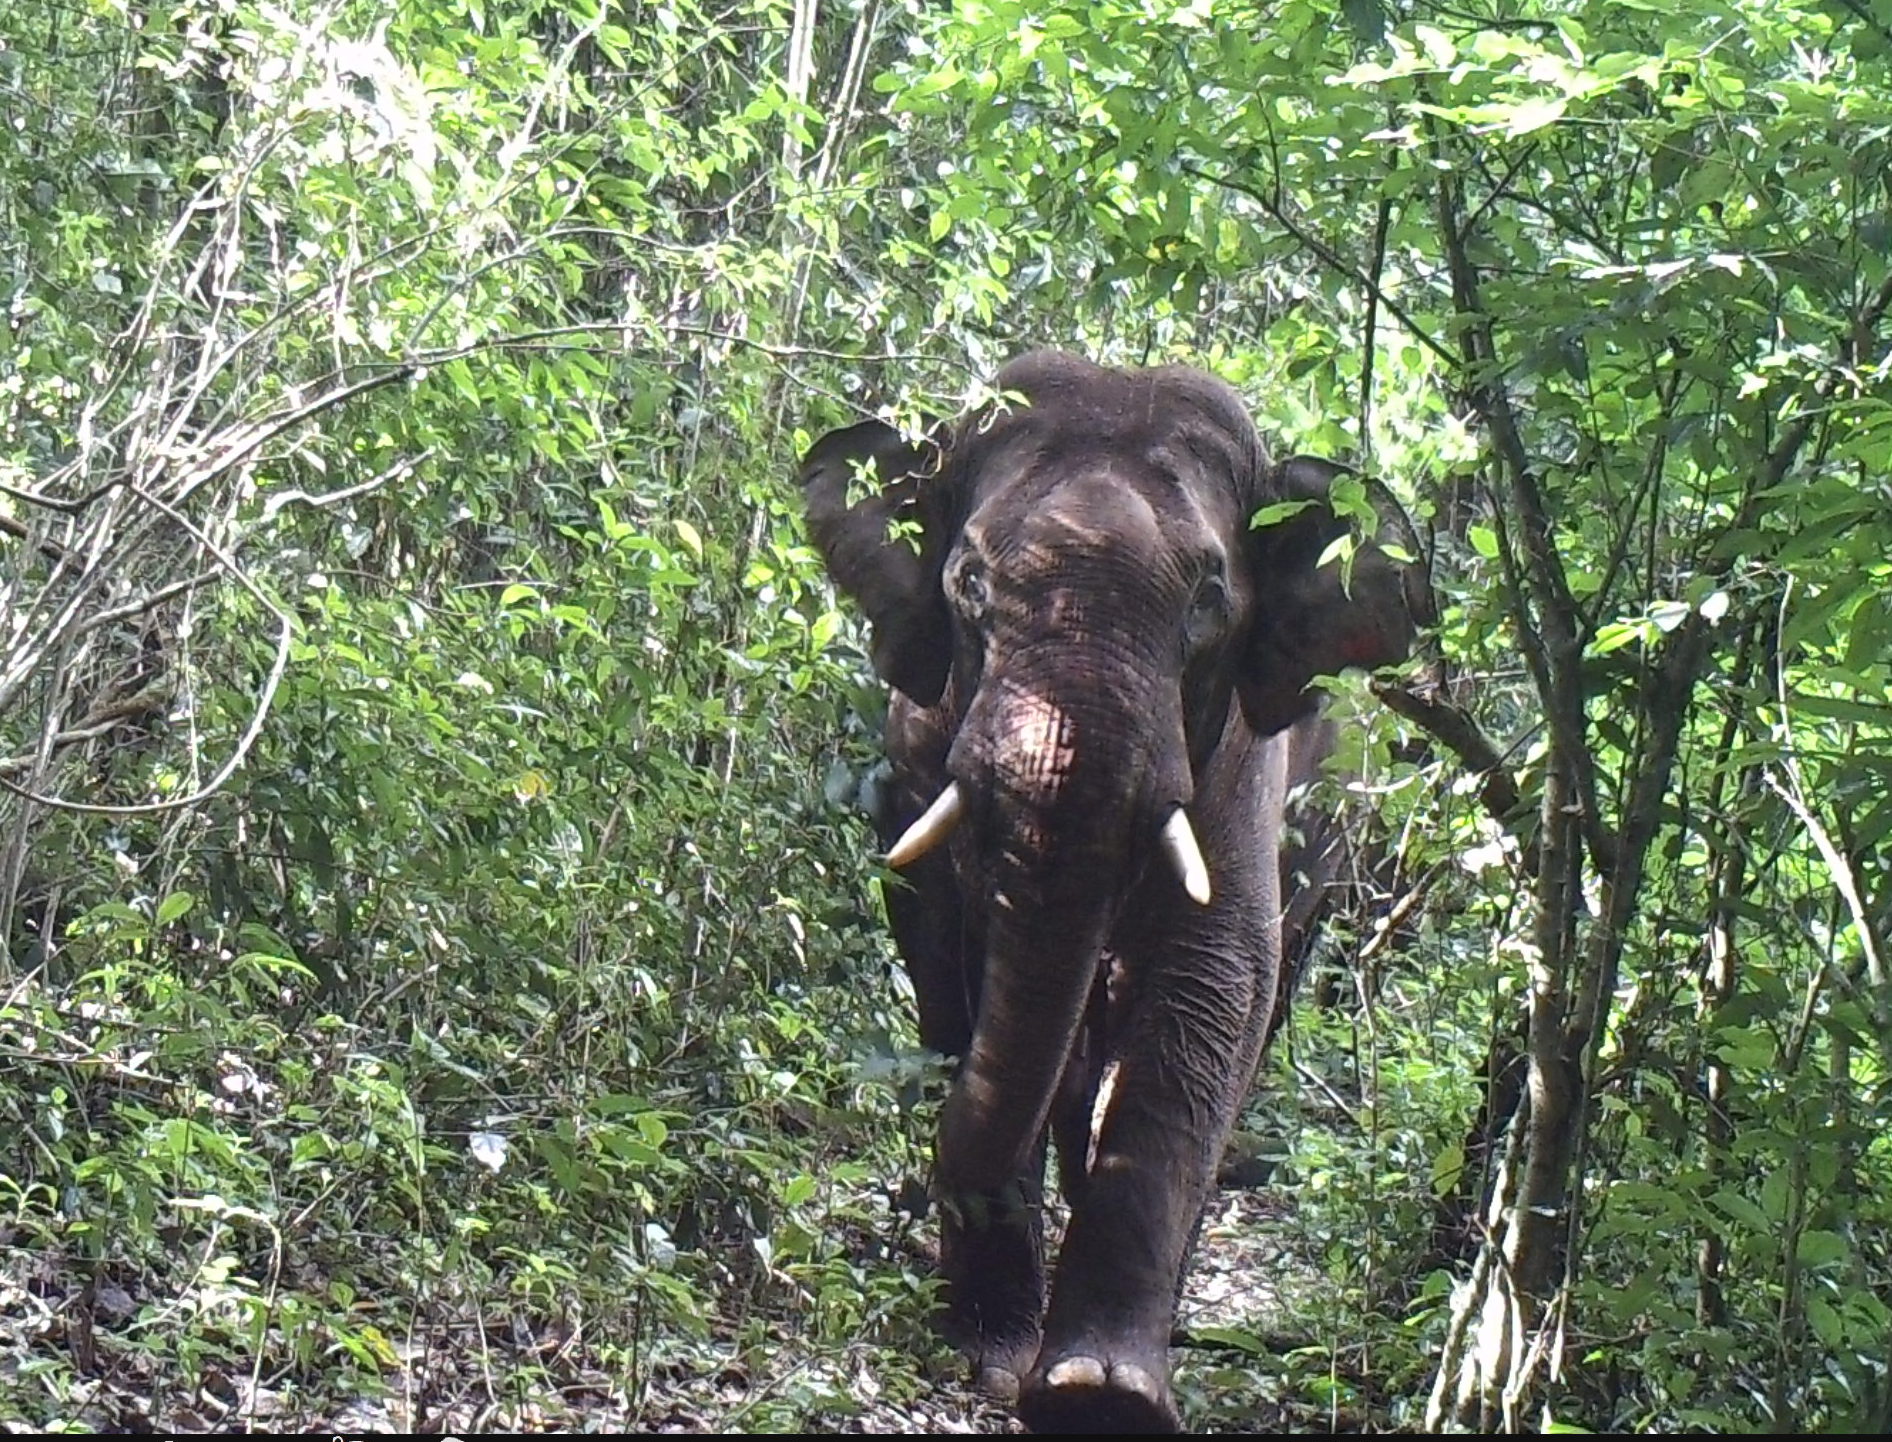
column 1100, row 679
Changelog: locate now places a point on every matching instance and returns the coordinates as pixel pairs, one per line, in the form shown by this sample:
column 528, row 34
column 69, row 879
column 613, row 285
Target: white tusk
column 933, row 827
column 1179, row 844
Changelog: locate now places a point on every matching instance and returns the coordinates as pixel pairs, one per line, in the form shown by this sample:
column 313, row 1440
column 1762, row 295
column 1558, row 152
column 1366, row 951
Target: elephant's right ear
column 875, row 514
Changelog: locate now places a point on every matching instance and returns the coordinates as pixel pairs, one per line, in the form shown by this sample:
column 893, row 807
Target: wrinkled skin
column 1084, row 633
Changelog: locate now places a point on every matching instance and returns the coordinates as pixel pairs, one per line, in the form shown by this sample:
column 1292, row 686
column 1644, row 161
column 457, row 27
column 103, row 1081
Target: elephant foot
column 999, row 1368
column 994, row 1294
column 1083, row 1393
column 999, row 1357
column 998, row 1383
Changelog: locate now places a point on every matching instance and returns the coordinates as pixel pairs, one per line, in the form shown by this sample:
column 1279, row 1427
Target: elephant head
column 1091, row 645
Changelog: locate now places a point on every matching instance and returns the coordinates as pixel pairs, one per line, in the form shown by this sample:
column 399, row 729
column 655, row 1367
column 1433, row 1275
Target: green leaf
column 1825, row 1322
column 1747, row 1048
column 1742, row 1210
column 1617, row 634
column 1821, row 1248
column 1276, row 512
column 1843, row 708
column 172, row 907
column 1235, row 1338
column 1534, row 115
column 1776, row 1194
column 799, row 1189
column 1446, row 1167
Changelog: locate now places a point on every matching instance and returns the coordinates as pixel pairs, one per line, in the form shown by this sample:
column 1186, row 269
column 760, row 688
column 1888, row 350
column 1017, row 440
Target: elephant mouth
column 1176, row 841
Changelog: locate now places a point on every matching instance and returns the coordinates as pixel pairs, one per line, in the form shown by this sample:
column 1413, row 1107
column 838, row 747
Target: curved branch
column 286, row 629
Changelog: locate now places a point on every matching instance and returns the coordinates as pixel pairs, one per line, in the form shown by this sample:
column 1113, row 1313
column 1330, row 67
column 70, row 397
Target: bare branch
column 254, row 729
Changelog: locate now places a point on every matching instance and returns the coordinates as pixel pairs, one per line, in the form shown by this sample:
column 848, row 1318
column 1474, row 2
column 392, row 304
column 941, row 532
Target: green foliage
column 502, row 981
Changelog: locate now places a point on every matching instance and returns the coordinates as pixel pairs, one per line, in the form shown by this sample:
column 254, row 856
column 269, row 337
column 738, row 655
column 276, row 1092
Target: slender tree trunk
column 1727, row 880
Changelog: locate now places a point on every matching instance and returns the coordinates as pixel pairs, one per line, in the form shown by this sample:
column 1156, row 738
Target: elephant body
column 1099, row 671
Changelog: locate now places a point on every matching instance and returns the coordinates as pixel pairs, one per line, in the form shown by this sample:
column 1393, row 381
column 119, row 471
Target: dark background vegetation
column 441, row 979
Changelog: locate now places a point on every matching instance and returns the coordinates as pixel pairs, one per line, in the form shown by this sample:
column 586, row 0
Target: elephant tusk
column 1179, row 844
column 936, row 823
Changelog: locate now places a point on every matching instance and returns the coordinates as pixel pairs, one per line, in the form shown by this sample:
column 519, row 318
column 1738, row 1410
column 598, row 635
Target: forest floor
column 468, row 1379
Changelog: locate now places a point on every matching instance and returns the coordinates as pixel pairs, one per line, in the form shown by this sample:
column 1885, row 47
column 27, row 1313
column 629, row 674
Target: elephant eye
column 1208, row 612
column 966, row 588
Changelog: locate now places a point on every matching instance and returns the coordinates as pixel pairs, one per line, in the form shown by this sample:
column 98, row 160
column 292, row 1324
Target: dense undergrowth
column 441, row 973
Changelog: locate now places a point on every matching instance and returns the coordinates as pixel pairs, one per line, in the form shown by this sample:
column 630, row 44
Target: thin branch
column 1453, row 727
column 124, row 611
column 100, row 722
column 1557, row 615
column 1388, row 925
column 286, row 630
column 620, row 327
column 47, row 547
column 1332, row 259
column 1838, row 866
column 275, row 502
column 1320, row 1083
column 253, row 438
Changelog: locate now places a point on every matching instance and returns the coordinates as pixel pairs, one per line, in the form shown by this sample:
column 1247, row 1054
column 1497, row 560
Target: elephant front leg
column 1194, row 1039
column 992, row 1255
column 991, row 1243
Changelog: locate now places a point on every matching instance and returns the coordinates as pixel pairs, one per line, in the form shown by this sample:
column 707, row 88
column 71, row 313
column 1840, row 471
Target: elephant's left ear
column 1312, row 619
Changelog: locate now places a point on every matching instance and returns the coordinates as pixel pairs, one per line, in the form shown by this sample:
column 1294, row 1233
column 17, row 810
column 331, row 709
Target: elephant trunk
column 1074, row 797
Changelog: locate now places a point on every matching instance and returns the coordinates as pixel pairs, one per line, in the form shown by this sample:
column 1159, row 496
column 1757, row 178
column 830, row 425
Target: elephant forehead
column 1044, row 527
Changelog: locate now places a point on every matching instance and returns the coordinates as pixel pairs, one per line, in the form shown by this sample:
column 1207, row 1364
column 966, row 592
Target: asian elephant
column 1100, row 674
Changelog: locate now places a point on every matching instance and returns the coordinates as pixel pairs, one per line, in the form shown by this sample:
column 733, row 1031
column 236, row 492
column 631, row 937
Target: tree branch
column 1453, row 727
column 1331, row 258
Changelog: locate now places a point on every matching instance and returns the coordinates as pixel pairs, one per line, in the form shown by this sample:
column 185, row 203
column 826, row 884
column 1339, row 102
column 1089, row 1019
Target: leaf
column 172, row 907
column 1341, row 549
column 1276, row 512
column 1439, row 48
column 1821, row 1248
column 1446, row 1167
column 659, row 1249
column 799, row 1189
column 1534, row 115
column 1616, row 635
column 616, row 1103
column 1484, row 541
column 1746, row 1048
column 271, row 964
column 1234, row 1338
column 692, row 541
column 1775, row 1194
column 1742, row 1210
column 627, row 1148
column 1825, row 1322
column 1841, row 708
column 1667, row 615
column 379, row 1345
column 488, row 1149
